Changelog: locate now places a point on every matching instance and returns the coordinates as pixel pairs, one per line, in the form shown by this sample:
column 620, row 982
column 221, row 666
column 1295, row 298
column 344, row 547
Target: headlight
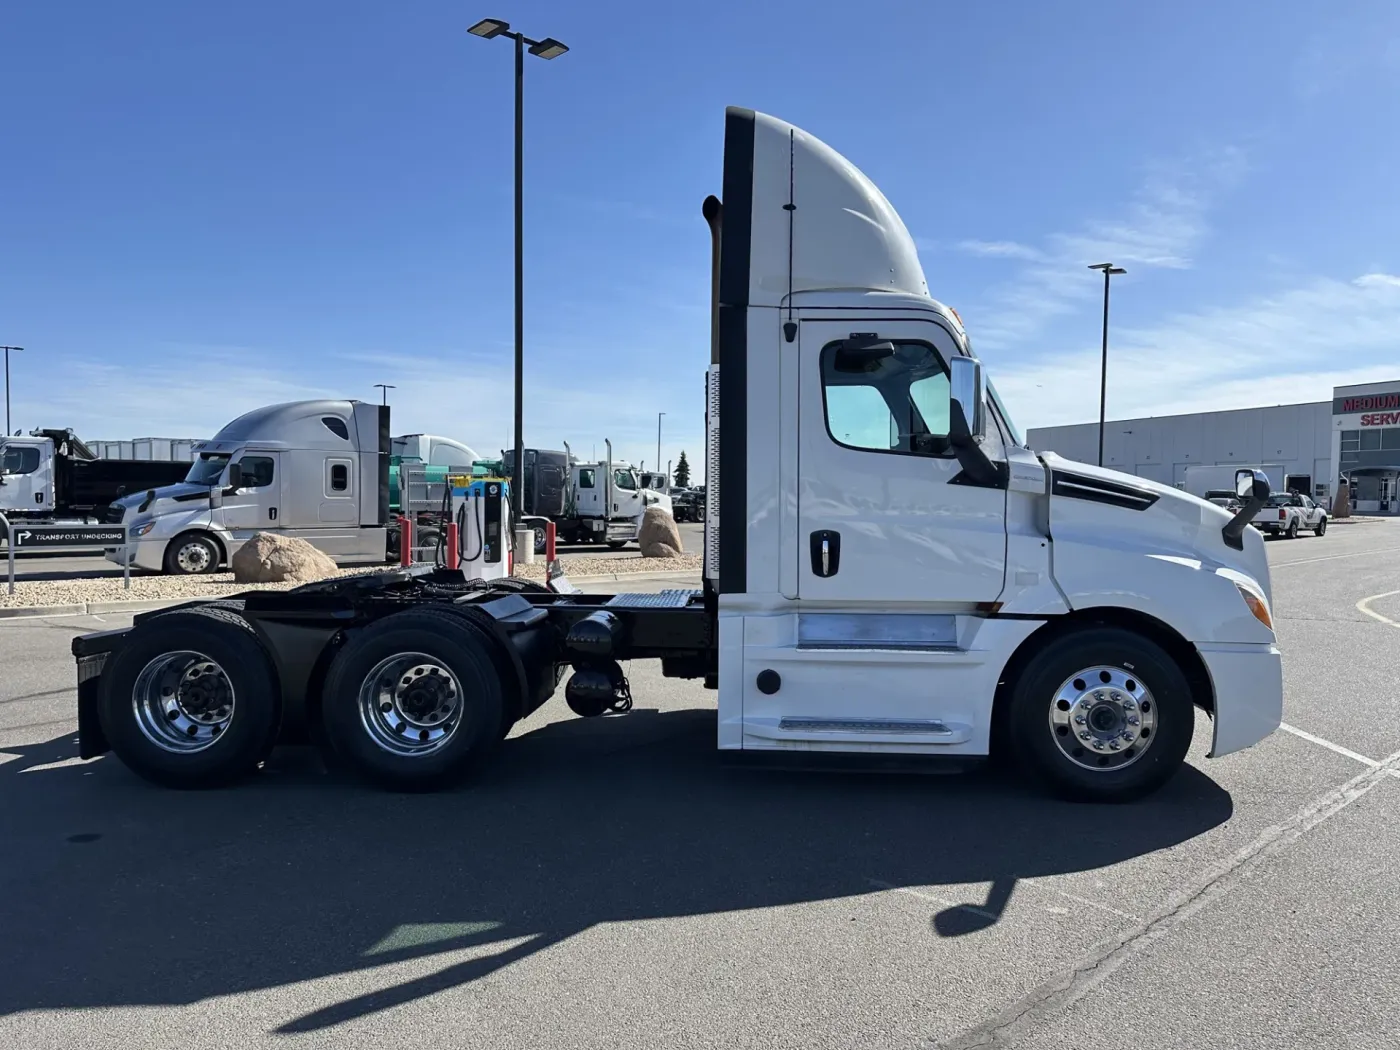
column 1257, row 605
column 141, row 530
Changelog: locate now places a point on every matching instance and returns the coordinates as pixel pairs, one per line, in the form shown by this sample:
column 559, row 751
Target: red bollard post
column 454, row 550
column 549, row 540
column 405, row 542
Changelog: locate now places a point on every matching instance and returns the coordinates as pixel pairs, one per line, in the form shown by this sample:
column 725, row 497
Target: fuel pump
column 481, row 509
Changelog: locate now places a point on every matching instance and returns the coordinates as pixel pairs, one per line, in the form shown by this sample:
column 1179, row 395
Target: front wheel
column 1321, row 527
column 1102, row 715
column 616, row 545
column 192, row 554
column 541, row 539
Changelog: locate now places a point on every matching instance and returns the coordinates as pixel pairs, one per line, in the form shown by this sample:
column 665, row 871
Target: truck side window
column 623, row 479
column 336, row 426
column 890, row 399
column 340, row 477
column 257, row 471
column 22, row 460
column 585, row 479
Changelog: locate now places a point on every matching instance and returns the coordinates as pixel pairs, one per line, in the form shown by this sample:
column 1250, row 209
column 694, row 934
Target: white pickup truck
column 1288, row 513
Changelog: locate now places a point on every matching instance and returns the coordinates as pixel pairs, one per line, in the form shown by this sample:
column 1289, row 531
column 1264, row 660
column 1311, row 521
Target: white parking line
column 1345, row 752
column 934, row 898
column 1330, row 557
column 1364, row 605
column 1040, row 884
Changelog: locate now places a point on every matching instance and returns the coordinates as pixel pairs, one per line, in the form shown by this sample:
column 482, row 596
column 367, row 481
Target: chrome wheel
column 411, row 704
column 1103, row 718
column 183, row 701
column 193, row 557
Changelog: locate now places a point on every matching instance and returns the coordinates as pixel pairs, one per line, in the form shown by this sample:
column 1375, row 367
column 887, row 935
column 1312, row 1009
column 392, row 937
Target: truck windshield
column 208, row 468
column 1016, row 438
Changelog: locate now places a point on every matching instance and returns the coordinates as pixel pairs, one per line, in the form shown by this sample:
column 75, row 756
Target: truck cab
column 317, row 470
column 26, row 476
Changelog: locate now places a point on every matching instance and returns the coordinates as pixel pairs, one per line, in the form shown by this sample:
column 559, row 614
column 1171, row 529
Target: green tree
column 683, row 472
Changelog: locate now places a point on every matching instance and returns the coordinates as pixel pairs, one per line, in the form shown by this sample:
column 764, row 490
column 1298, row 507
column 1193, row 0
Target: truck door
column 26, row 477
column 885, row 513
column 257, row 503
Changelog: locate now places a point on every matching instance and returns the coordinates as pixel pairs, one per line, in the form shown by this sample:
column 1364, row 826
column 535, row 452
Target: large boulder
column 270, row 558
column 659, row 537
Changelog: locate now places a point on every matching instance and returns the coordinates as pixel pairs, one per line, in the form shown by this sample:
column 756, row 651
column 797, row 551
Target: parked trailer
column 889, row 572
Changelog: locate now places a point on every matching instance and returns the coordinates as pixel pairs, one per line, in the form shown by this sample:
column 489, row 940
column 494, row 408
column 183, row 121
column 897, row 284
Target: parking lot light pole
column 658, row 439
column 385, row 388
column 548, row 48
column 7, row 350
column 1109, row 271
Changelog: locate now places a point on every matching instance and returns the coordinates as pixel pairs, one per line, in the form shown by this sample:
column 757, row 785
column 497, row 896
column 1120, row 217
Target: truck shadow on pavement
column 119, row 894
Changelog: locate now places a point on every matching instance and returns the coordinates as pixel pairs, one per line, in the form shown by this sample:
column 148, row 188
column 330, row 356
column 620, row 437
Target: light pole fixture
column 385, row 388
column 489, row 29
column 1109, row 271
column 7, row 350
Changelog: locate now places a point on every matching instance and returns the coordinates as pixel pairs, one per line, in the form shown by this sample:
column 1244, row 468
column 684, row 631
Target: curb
column 26, row 612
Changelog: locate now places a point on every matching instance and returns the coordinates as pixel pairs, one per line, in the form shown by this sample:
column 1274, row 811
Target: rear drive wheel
column 1321, row 526
column 540, row 538
column 1293, row 529
column 192, row 554
column 415, row 702
column 1103, row 715
column 616, row 545
column 191, row 699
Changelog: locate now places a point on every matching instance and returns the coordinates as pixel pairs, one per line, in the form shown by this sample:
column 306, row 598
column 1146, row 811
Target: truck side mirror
column 1252, row 487
column 966, row 394
column 1252, row 484
column 235, row 475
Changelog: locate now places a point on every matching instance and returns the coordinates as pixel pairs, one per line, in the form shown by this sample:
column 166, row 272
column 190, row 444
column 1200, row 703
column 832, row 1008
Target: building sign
column 1365, row 403
column 1381, row 419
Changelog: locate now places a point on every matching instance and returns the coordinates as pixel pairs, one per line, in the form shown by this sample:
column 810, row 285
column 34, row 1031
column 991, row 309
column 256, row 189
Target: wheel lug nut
column 1113, row 745
column 1098, row 694
column 1098, row 745
column 1133, row 720
column 1128, row 738
column 1084, row 734
column 1080, row 719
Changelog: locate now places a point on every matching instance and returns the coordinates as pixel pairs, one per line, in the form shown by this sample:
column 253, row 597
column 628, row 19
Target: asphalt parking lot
column 610, row 883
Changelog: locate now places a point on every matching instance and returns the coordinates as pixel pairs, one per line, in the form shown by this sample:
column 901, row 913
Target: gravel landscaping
column 35, row 593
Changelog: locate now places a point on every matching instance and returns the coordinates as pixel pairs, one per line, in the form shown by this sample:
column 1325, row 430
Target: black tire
column 616, row 545
column 1321, row 526
column 223, row 636
column 1293, row 529
column 192, row 554
column 1042, row 751
column 450, row 640
column 541, row 539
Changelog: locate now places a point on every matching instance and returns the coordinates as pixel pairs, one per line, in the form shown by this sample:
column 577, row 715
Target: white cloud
column 1289, row 347
column 1000, row 250
column 1161, row 227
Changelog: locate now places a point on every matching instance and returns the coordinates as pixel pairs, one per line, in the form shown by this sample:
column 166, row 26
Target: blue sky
column 204, row 208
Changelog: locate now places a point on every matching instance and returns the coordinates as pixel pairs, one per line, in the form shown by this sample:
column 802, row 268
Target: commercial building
column 1305, row 448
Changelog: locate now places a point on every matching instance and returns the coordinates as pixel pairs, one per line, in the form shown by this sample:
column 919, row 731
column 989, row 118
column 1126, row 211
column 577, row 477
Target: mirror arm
column 971, row 458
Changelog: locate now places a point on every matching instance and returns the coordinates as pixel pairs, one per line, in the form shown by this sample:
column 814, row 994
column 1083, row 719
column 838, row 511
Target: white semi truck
column 889, row 571
column 318, row 470
column 589, row 503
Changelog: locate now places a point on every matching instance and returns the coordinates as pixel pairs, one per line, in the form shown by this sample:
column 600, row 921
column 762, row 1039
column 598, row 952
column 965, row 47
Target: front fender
column 1196, row 597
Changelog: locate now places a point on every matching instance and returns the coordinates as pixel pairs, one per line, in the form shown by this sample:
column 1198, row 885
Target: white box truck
column 889, row 571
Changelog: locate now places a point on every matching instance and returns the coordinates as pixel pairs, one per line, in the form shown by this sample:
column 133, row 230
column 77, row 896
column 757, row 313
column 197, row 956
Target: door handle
column 271, row 513
column 826, row 552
